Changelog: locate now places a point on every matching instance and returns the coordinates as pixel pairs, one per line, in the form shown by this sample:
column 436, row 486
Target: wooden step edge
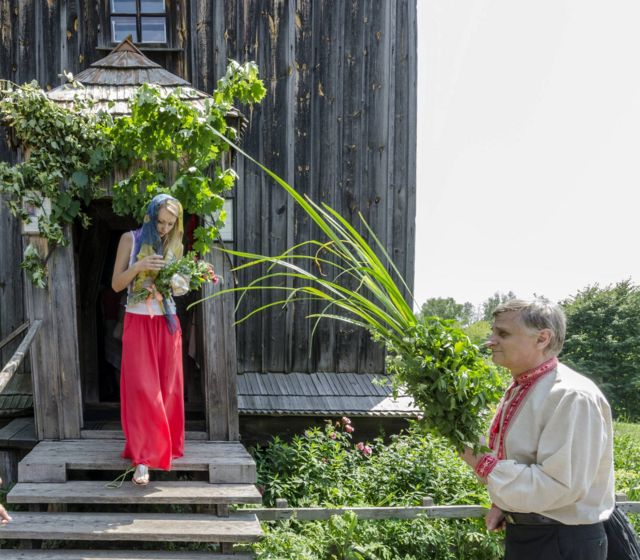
column 237, row 528
column 11, row 554
column 221, row 471
column 92, row 492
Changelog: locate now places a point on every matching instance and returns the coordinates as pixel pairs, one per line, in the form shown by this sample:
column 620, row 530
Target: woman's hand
column 150, row 262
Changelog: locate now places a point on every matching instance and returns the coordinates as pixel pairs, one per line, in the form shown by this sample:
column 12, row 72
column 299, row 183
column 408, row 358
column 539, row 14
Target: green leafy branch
column 68, row 152
column 66, row 156
column 429, row 358
column 167, row 128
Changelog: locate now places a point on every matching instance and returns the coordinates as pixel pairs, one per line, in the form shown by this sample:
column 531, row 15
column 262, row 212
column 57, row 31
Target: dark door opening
column 100, row 319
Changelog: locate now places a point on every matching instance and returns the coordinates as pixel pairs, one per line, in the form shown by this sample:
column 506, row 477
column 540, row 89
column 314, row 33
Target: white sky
column 528, row 147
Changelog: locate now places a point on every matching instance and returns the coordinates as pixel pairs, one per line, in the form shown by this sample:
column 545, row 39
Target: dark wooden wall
column 339, row 122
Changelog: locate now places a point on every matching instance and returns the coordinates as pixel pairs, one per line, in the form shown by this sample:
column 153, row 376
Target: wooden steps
column 148, row 527
column 50, row 461
column 180, row 492
column 116, row 555
column 144, row 514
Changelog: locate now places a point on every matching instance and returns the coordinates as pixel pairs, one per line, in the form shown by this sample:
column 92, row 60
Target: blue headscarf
column 147, row 241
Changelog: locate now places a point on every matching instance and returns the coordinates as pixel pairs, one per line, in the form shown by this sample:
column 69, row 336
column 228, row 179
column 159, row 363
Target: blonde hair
column 172, row 244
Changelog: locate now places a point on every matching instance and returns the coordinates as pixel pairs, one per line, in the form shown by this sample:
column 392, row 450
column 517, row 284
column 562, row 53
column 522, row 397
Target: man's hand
column 468, row 457
column 494, row 520
column 4, row 516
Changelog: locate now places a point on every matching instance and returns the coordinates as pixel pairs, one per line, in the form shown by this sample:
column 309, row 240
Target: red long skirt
column 151, row 391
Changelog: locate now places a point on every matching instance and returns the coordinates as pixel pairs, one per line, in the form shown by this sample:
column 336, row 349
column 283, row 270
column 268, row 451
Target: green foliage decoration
column 447, row 377
column 66, row 156
column 167, row 129
column 435, row 362
column 70, row 150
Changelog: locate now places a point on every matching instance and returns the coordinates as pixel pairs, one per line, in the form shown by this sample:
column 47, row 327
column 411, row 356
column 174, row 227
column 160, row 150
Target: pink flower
column 345, row 421
column 364, row 449
column 333, row 435
column 349, row 428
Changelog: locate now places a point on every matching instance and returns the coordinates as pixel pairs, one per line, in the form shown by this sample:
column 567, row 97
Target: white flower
column 179, row 284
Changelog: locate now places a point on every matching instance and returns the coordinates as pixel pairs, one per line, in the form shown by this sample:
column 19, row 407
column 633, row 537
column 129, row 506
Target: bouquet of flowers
column 177, row 278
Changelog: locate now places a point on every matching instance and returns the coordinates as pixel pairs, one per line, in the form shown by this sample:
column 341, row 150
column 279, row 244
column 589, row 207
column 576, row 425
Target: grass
column 627, row 428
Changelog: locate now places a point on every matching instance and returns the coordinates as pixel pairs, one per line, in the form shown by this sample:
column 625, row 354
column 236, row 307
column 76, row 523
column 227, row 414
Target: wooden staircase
column 188, row 505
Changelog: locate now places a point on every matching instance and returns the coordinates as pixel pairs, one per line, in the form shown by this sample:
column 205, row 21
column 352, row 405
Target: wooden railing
column 396, row 512
column 14, row 362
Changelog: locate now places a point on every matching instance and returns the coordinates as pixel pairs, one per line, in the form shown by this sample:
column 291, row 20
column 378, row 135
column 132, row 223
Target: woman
column 151, row 386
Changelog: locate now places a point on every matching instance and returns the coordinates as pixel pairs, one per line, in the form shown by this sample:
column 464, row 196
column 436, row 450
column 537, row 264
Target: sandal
column 141, row 475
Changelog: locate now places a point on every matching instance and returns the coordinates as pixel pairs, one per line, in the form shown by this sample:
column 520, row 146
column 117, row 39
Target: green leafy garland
column 164, row 129
column 70, row 151
column 66, row 158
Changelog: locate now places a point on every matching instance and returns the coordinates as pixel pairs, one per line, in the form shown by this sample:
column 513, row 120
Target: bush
column 325, row 467
column 330, row 467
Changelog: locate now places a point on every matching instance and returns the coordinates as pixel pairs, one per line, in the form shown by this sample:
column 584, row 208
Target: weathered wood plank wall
column 338, row 122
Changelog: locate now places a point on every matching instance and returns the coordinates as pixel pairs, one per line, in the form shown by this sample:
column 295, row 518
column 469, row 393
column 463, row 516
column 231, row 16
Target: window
column 144, row 20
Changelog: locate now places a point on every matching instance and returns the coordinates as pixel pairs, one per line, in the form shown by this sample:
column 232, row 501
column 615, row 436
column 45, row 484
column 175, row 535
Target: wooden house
column 338, row 122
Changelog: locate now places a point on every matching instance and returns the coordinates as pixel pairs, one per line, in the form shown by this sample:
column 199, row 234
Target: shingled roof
column 111, row 81
column 320, row 394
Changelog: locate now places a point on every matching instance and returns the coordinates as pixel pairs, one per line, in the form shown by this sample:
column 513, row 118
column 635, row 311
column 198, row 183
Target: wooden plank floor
column 117, row 555
column 241, row 527
column 180, row 492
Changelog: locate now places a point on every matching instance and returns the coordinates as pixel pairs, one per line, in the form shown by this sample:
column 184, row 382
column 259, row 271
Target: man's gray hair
column 539, row 314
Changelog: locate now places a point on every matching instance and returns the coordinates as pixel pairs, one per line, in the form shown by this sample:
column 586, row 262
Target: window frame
column 138, row 15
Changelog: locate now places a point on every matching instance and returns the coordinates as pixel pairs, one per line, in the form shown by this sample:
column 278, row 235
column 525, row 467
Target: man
column 550, row 472
column 4, row 516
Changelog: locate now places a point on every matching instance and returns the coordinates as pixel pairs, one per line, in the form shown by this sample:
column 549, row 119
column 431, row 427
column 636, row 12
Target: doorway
column 100, row 317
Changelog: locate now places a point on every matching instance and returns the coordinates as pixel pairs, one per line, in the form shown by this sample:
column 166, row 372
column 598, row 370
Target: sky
column 528, row 150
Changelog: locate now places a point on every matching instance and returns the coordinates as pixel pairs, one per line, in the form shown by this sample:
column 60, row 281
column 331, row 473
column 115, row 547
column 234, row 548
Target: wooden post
column 54, row 353
column 219, row 361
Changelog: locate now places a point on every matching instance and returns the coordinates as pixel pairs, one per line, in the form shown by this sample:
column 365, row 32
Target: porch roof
column 322, row 393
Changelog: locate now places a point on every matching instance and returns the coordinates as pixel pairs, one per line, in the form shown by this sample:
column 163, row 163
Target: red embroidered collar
column 520, row 386
column 533, row 374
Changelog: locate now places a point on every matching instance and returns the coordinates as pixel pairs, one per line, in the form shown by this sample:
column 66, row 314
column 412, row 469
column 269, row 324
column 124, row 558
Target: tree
column 479, row 333
column 489, row 306
column 603, row 341
column 448, row 308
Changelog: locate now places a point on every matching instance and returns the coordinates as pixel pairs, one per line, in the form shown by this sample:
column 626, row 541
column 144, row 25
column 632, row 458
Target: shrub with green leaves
column 329, row 466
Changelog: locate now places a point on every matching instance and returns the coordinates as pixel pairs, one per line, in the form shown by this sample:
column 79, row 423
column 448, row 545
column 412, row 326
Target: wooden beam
column 219, row 360
column 6, row 340
column 9, row 369
column 399, row 512
column 54, row 360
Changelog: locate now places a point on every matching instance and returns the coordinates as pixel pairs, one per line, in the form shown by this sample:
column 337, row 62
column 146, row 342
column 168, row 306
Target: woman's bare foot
column 141, row 475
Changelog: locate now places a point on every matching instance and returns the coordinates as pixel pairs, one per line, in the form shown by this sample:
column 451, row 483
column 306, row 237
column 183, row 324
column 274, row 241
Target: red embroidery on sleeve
column 485, row 465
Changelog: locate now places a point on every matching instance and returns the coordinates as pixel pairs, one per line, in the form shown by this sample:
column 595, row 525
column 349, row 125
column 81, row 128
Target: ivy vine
column 70, row 151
